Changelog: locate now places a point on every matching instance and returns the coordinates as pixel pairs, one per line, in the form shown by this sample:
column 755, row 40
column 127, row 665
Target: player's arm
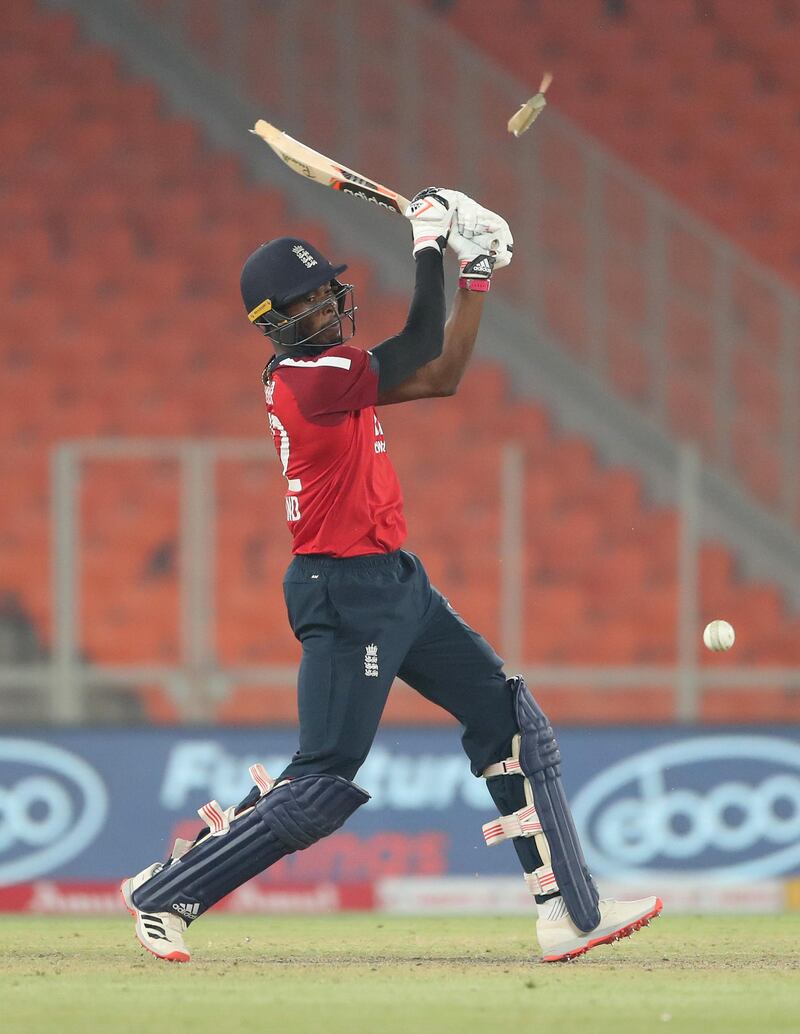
column 482, row 241
column 441, row 376
column 421, row 340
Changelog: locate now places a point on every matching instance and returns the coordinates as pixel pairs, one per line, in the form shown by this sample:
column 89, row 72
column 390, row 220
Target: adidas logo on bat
column 363, row 194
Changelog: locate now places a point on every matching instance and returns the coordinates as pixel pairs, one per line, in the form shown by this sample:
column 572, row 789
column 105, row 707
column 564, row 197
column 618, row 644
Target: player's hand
column 486, row 229
column 476, row 263
column 430, row 214
column 482, row 242
column 497, row 242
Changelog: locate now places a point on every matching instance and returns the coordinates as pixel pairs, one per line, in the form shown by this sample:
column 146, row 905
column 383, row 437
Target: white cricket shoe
column 161, row 933
column 561, row 940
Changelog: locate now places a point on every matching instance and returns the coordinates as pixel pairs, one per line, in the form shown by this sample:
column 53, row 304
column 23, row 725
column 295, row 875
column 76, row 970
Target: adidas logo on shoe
column 189, row 911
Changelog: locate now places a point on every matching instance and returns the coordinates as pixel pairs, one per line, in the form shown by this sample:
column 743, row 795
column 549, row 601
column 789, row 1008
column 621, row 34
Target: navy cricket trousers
column 361, row 622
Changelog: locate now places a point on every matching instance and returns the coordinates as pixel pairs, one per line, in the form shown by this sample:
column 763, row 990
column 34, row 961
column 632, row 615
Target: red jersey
column 343, row 497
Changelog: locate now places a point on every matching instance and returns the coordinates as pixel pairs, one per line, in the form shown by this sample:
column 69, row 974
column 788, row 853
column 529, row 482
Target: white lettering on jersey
column 292, row 508
column 380, row 444
column 283, row 451
column 324, row 360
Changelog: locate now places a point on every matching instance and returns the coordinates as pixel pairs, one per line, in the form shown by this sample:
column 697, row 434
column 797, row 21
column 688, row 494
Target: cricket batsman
column 364, row 609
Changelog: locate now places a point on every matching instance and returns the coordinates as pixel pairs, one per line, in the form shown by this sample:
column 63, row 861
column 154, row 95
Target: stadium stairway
column 125, row 235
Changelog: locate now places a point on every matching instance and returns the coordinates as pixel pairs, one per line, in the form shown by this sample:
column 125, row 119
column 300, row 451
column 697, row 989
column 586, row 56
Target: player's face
column 321, row 327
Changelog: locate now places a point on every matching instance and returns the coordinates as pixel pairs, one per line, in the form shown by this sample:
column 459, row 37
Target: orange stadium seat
column 629, row 364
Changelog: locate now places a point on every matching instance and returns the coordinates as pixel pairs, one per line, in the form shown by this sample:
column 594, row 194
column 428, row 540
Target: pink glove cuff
column 467, row 283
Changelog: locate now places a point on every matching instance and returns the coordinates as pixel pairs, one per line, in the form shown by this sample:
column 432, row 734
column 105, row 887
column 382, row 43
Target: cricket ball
column 719, row 635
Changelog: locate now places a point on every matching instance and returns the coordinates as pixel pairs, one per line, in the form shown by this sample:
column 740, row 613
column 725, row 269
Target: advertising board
column 84, row 808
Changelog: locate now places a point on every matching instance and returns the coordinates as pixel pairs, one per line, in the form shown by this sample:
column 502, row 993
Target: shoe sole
column 174, row 956
column 616, row 935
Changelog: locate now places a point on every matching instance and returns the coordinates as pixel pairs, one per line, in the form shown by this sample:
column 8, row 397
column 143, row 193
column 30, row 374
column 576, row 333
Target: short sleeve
column 341, row 380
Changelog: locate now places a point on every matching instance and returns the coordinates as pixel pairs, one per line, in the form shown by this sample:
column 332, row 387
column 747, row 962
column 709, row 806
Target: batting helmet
column 280, row 272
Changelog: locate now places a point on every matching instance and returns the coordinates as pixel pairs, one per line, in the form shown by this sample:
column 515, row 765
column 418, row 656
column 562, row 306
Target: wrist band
column 467, row 283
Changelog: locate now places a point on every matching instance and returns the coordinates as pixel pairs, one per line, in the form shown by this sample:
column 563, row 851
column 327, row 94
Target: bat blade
column 531, row 109
column 307, row 162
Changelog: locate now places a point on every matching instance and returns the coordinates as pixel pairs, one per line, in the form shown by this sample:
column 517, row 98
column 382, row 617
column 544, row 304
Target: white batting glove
column 498, row 242
column 473, row 220
column 430, row 214
column 482, row 242
column 483, row 226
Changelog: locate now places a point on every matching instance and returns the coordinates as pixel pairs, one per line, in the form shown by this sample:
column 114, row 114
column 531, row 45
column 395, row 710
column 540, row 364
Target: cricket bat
column 315, row 166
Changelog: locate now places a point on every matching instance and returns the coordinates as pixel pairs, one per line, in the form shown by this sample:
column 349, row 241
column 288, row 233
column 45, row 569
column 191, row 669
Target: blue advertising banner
column 94, row 805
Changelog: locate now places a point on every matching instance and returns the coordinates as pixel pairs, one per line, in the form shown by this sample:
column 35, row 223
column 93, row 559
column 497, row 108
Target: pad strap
column 261, row 778
column 510, row 766
column 179, row 848
column 217, row 818
column 542, row 881
column 522, row 823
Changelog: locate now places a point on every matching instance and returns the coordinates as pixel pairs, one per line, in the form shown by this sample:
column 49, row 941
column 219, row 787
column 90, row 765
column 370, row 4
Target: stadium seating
column 699, row 98
column 124, row 235
column 703, row 103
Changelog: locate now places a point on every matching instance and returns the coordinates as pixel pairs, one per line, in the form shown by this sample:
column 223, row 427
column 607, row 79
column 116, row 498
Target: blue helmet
column 280, row 272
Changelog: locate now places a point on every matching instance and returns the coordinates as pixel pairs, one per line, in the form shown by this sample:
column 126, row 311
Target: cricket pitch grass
column 359, row 974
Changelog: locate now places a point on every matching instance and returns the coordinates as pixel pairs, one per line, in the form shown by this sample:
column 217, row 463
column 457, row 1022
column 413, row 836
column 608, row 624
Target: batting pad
column 289, row 817
column 540, row 760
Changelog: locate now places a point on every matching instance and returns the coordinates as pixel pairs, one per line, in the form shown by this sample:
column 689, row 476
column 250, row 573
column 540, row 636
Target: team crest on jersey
column 305, row 256
column 371, row 661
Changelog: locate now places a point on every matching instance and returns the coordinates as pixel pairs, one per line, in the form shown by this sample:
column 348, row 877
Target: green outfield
column 353, row 974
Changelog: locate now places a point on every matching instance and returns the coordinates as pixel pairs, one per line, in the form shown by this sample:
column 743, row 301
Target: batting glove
column 481, row 240
column 431, row 215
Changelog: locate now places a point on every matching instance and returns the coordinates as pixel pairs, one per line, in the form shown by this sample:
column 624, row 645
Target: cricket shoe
column 560, row 940
column 161, row 933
